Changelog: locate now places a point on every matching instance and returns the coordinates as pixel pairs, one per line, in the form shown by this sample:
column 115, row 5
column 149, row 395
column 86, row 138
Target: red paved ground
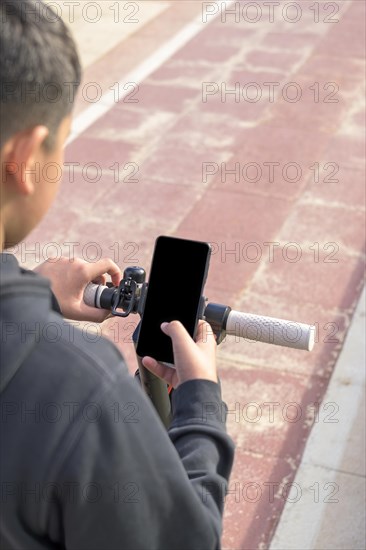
column 316, row 199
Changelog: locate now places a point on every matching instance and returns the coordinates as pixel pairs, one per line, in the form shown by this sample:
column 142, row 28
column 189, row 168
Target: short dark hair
column 39, row 69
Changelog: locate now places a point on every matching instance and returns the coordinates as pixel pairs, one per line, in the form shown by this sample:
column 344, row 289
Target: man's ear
column 20, row 155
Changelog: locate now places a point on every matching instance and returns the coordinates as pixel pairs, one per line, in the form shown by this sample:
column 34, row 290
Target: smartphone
column 177, row 278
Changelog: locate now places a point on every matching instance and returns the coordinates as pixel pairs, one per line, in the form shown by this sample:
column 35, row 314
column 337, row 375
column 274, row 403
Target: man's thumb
column 176, row 331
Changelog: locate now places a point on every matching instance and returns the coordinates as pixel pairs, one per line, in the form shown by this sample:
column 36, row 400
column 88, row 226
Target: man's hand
column 68, row 282
column 192, row 359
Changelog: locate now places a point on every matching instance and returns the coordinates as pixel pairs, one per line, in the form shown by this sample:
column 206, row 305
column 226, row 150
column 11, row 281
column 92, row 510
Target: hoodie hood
column 25, row 301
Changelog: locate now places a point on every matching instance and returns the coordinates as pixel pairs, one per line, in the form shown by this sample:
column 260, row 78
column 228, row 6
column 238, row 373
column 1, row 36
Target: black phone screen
column 177, row 277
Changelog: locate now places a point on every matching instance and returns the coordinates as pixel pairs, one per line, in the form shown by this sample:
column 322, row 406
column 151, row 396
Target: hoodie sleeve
column 138, row 487
column 55, row 306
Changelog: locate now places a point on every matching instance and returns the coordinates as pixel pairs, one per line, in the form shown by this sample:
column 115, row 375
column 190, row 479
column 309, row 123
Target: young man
column 85, row 462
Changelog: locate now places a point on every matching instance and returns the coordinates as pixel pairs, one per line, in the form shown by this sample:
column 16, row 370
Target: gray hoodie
column 85, row 462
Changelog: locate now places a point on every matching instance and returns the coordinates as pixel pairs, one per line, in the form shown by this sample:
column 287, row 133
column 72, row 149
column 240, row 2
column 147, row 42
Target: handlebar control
column 270, row 330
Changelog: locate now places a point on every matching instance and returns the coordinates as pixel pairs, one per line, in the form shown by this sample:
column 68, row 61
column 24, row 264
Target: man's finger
column 180, row 336
column 204, row 330
column 100, row 280
column 177, row 333
column 205, row 334
column 105, row 265
column 155, row 367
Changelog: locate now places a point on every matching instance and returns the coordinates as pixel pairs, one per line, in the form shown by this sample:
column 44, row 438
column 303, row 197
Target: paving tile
column 293, row 41
column 271, row 160
column 348, row 187
column 216, row 133
column 177, row 161
column 224, row 296
column 350, row 26
column 47, row 240
column 224, row 98
column 222, row 216
column 127, row 240
column 171, row 98
column 207, row 51
column 347, row 150
column 190, row 72
column 149, row 201
column 226, row 273
column 243, row 75
column 276, row 141
column 132, row 124
column 85, row 184
column 327, row 66
column 270, row 412
column 133, row 236
column 310, row 105
column 259, row 488
column 242, row 16
column 282, row 60
column 231, row 222
column 219, row 35
column 330, row 227
column 329, row 283
column 103, row 153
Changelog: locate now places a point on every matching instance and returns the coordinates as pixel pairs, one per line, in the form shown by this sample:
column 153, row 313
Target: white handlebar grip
column 271, row 330
column 92, row 294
